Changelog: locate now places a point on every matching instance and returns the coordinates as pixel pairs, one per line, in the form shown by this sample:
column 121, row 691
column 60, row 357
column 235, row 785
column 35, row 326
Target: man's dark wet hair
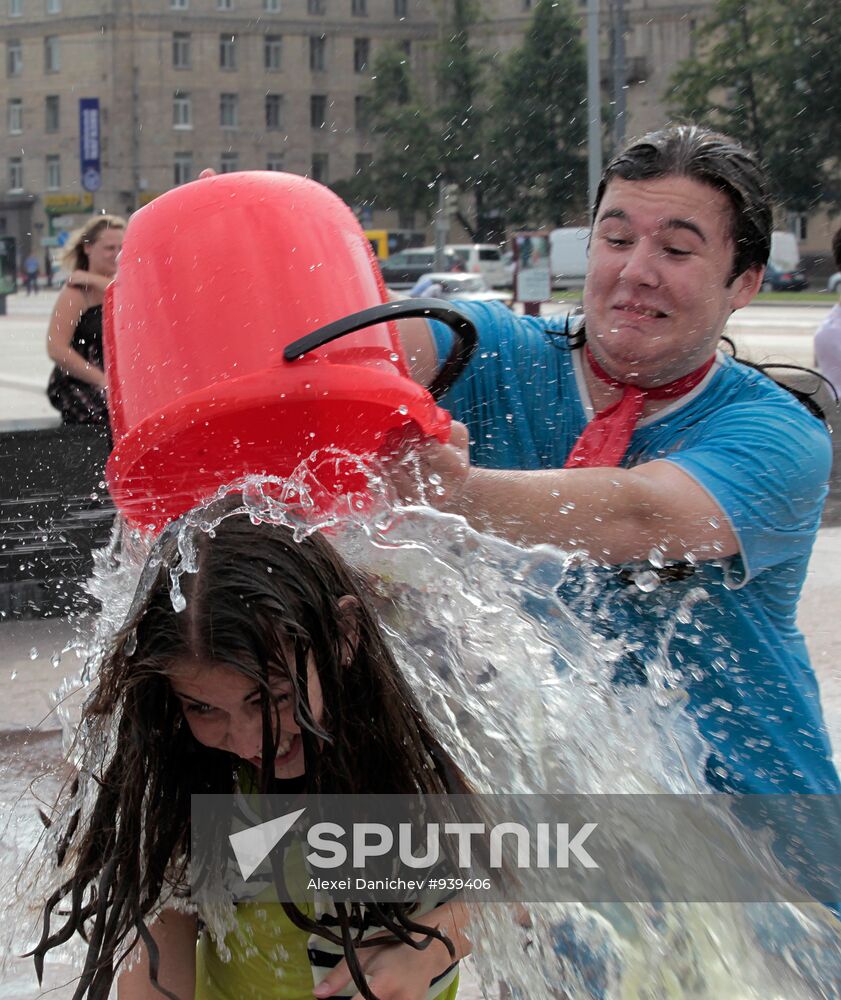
column 714, row 159
column 836, row 248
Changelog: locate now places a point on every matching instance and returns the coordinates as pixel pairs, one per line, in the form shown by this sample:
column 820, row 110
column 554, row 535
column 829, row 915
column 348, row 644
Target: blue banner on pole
column 89, row 164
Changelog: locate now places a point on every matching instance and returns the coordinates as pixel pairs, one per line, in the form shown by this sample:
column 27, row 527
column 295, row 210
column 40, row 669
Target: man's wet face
column 656, row 298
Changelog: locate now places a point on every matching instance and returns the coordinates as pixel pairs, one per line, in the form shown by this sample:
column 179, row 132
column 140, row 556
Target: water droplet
column 33, row 653
column 402, row 410
column 715, row 522
column 55, row 660
column 647, row 580
column 435, row 479
column 13, row 674
column 394, row 357
column 655, row 557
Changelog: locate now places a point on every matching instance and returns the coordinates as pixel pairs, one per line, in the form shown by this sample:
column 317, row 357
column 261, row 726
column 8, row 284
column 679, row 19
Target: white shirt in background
column 828, row 348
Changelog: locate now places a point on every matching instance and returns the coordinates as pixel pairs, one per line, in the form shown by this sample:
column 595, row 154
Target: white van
column 568, row 256
column 785, row 252
column 484, row 259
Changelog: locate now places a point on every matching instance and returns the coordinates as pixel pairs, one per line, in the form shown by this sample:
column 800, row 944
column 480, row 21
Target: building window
column 15, row 8
column 274, row 111
column 359, row 8
column 271, row 6
column 318, row 53
column 319, row 170
column 53, row 6
column 228, row 163
column 14, row 117
column 16, row 173
column 274, row 161
column 52, row 54
column 181, row 50
column 53, row 173
column 51, row 113
column 179, row 5
column 362, row 113
column 182, row 110
column 272, row 52
column 224, row 4
column 14, row 58
column 182, row 168
column 229, row 110
column 406, row 48
column 401, row 8
column 318, row 110
column 227, row 52
column 361, row 54
column 315, row 7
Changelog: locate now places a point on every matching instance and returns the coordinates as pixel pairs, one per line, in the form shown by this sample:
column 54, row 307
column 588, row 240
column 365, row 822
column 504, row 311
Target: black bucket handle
column 462, row 351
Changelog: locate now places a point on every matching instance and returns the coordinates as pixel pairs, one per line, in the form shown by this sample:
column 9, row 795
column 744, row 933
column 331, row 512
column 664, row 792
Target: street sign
column 89, row 160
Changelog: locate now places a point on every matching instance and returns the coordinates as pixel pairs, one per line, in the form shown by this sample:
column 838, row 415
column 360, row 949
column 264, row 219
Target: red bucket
column 221, row 343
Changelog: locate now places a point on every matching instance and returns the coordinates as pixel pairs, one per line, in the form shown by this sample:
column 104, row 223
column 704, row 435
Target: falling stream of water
column 521, row 691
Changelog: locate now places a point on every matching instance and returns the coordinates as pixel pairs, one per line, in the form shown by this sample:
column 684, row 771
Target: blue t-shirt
column 766, row 461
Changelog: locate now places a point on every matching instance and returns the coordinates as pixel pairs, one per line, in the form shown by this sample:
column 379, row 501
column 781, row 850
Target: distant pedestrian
column 48, row 268
column 30, row 274
column 74, row 339
column 828, row 337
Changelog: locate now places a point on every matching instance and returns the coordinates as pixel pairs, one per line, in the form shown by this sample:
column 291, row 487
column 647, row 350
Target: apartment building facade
column 248, row 84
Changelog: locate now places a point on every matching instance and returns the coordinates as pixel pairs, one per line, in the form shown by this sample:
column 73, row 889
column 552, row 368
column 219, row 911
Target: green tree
column 405, row 163
column 768, row 72
column 460, row 112
column 538, row 146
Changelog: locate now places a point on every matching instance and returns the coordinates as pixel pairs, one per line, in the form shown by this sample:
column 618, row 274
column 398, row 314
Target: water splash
column 521, row 691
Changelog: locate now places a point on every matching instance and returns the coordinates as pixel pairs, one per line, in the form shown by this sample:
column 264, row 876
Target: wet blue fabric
column 727, row 627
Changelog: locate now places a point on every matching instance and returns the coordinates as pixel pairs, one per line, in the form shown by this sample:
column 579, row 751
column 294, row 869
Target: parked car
column 472, row 287
column 569, row 248
column 403, row 269
column 834, row 283
column 778, row 280
column 485, row 259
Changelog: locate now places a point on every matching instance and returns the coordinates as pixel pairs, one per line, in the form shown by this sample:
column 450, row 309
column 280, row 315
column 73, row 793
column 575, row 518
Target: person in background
column 30, row 273
column 693, row 482
column 828, row 336
column 74, row 338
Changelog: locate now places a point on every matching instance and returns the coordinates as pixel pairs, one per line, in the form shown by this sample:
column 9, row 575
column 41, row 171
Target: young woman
column 74, row 337
column 273, row 677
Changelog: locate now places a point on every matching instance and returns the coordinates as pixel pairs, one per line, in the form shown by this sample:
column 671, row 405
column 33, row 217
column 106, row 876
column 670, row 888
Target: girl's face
column 103, row 252
column 223, row 710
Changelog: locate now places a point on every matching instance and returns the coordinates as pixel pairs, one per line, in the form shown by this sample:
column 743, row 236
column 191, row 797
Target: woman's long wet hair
column 256, row 589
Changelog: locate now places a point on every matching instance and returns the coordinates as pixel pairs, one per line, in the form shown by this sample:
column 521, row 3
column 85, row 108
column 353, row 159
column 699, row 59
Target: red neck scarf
column 605, row 439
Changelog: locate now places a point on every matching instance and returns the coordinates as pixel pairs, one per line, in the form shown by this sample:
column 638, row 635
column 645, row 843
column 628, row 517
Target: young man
column 673, row 466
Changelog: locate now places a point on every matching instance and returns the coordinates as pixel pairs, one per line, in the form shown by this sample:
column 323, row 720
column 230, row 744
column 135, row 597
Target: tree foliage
column 515, row 145
column 406, row 158
column 768, row 72
column 538, row 145
column 460, row 111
